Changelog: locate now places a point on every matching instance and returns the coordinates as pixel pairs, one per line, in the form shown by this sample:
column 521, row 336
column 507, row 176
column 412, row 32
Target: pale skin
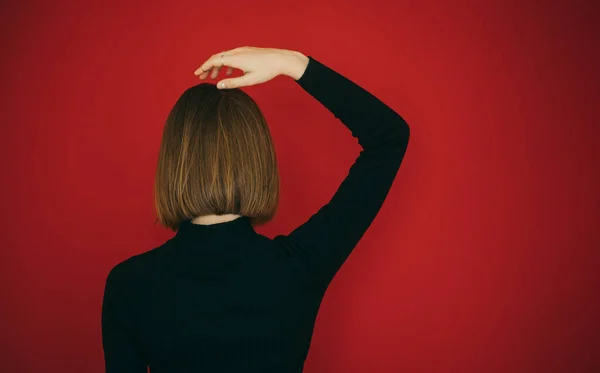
column 259, row 66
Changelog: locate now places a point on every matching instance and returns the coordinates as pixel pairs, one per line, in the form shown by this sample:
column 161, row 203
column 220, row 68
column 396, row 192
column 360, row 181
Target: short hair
column 216, row 157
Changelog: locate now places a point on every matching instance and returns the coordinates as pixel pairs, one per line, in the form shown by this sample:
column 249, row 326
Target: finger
column 199, row 71
column 229, row 70
column 204, row 75
column 216, row 61
column 206, row 66
column 215, row 72
column 241, row 81
column 201, row 74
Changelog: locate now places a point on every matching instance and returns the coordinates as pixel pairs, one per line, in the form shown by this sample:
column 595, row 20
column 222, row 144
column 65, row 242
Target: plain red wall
column 485, row 255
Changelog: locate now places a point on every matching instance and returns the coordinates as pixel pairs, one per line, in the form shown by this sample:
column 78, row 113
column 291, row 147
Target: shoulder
column 134, row 268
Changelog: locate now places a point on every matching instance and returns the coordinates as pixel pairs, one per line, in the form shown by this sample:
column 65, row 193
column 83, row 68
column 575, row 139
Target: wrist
column 294, row 64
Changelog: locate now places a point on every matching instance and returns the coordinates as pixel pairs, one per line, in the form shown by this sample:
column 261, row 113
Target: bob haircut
column 216, row 157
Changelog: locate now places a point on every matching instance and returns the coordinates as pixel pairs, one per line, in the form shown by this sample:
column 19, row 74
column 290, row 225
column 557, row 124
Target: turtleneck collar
column 204, row 235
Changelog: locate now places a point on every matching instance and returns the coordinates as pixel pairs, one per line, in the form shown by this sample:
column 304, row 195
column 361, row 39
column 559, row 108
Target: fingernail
column 222, row 85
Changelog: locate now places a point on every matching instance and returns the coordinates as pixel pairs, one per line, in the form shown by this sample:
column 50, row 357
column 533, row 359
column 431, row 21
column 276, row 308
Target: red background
column 485, row 255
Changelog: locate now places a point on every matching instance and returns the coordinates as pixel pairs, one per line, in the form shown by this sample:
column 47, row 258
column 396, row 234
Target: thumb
column 241, row 81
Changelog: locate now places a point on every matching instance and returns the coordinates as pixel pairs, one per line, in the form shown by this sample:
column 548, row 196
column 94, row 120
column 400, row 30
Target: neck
column 214, row 219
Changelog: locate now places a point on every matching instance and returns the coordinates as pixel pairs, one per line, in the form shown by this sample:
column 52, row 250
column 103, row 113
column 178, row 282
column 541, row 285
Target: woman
column 218, row 297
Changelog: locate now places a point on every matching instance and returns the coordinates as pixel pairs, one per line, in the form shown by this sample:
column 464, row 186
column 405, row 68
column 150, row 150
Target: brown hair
column 216, row 157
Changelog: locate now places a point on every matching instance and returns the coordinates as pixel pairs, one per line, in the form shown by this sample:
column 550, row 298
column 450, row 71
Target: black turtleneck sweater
column 223, row 298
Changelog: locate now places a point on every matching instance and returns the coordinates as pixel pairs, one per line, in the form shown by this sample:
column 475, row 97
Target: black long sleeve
column 223, row 298
column 326, row 240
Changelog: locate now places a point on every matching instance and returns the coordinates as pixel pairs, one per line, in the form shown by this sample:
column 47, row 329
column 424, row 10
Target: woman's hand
column 258, row 64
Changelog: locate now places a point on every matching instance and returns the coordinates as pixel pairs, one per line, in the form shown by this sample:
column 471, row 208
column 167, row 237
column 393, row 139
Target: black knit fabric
column 223, row 298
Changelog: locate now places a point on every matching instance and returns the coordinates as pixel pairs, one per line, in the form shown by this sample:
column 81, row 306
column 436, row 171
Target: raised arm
column 325, row 240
